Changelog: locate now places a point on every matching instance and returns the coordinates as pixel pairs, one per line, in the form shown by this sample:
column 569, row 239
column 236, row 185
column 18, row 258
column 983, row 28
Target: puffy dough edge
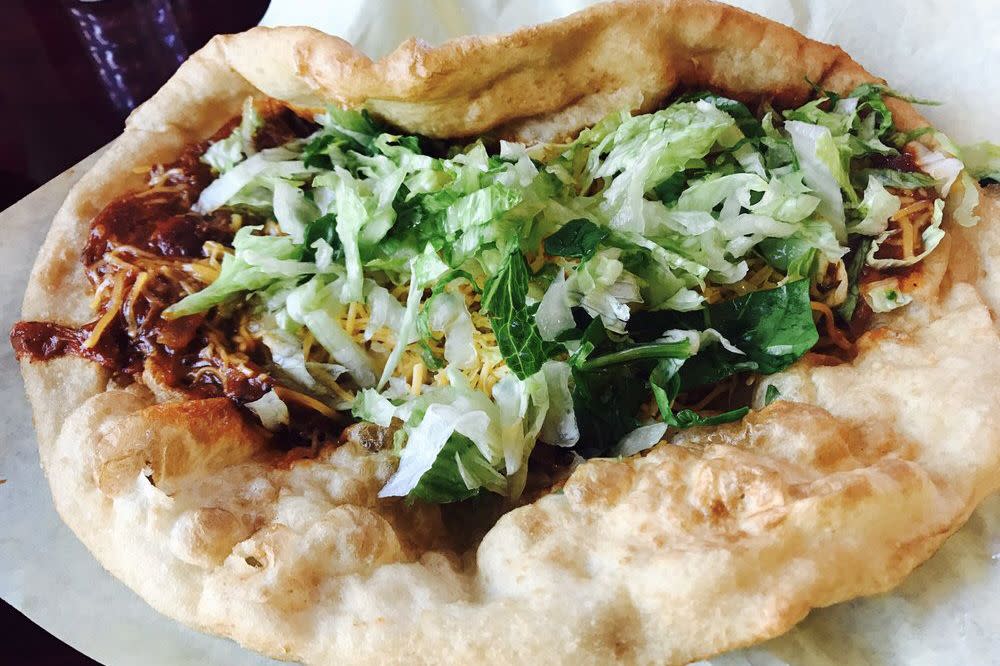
column 577, row 70
column 466, row 86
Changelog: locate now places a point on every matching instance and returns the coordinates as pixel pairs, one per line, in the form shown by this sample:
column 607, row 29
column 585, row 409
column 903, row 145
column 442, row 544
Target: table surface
column 71, row 73
column 73, row 70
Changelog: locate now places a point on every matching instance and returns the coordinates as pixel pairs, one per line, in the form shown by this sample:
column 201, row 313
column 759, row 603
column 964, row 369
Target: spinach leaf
column 643, row 352
column 773, row 328
column 314, row 153
column 606, row 400
column 906, row 180
column 869, row 89
column 666, row 384
column 606, row 403
column 669, row 191
column 577, row 238
column 793, row 256
column 689, row 419
column 713, row 365
column 322, row 228
column 611, row 387
column 513, row 322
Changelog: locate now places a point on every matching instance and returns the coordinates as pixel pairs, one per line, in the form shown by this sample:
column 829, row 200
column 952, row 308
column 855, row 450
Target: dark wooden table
column 72, row 70
column 70, row 73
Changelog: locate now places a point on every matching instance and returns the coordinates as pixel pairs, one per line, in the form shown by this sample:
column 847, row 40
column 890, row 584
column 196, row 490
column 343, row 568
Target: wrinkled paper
column 946, row 612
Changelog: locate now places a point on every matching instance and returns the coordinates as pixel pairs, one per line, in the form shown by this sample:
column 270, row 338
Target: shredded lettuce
column 640, row 439
column 223, row 155
column 598, row 265
column 982, row 161
column 645, row 150
column 555, row 314
column 424, row 268
column 257, row 172
column 450, row 315
column 256, row 263
column 931, row 236
column 822, row 170
column 292, row 210
column 877, row 206
column 384, row 311
column 604, row 288
column 372, row 406
column 426, row 441
column 341, row 346
column 885, row 295
column 351, row 215
column 286, row 352
column 966, row 197
column 907, row 180
column 943, row 168
column 559, row 427
column 270, row 409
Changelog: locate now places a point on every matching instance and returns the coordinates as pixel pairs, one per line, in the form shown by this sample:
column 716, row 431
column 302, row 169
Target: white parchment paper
column 947, row 612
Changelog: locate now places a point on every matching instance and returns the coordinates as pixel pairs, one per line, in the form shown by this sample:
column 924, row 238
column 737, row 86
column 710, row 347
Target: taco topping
column 461, row 304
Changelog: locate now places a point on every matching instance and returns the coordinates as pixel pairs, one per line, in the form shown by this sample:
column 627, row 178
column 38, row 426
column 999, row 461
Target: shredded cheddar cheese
column 834, row 334
column 114, row 306
column 289, row 395
column 759, row 276
column 417, row 382
column 134, row 293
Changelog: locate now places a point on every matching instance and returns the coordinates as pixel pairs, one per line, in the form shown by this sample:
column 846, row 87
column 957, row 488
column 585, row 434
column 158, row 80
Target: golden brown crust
column 718, row 540
column 575, row 69
column 172, row 441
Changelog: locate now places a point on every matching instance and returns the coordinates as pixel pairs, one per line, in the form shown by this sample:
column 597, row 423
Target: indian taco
column 632, row 336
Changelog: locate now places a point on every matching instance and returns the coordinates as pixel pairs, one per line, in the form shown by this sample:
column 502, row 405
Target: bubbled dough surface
column 719, row 539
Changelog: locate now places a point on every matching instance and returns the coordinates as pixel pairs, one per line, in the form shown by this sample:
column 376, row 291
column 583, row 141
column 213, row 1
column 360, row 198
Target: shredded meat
column 139, row 256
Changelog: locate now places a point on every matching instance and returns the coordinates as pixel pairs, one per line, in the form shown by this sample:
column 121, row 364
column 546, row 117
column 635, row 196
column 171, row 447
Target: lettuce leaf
column 982, row 161
column 226, row 153
column 823, row 171
column 876, row 207
column 270, row 409
column 640, row 439
column 885, row 295
column 643, row 151
column 424, row 269
column 257, row 172
column 425, row 456
column 931, row 236
column 906, row 180
column 604, row 288
column 256, row 263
